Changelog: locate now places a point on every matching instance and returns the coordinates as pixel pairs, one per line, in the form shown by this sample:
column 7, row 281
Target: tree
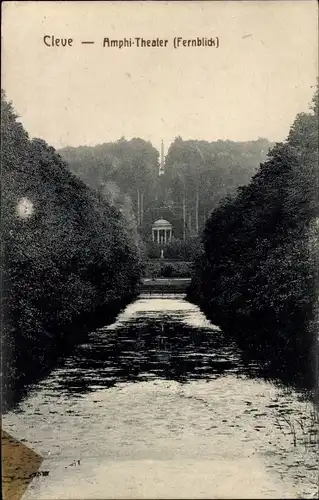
column 68, row 255
column 259, row 269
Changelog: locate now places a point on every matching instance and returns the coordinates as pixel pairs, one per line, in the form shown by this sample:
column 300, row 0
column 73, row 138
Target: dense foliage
column 124, row 172
column 168, row 269
column 68, row 255
column 258, row 273
column 198, row 174
column 176, row 249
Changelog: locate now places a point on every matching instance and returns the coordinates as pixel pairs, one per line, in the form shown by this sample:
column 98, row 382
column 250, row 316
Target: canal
column 161, row 404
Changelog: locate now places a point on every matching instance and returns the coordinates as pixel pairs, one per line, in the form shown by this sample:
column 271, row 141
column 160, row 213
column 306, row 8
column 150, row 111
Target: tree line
column 69, row 257
column 258, row 273
column 125, row 172
column 198, row 174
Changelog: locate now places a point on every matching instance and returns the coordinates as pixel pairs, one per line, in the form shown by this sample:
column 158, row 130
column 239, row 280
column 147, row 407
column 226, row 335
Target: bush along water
column 69, row 259
column 258, row 274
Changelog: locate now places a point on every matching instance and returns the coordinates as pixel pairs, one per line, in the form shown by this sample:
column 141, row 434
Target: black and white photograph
column 159, row 250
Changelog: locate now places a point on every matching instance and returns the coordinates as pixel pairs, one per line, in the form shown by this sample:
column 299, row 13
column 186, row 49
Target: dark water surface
column 162, row 383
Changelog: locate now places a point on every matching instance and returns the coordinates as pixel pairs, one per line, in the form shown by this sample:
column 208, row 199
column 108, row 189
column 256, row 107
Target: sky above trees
column 252, row 86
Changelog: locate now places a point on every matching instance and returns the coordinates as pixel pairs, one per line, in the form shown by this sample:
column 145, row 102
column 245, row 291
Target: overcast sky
column 251, row 86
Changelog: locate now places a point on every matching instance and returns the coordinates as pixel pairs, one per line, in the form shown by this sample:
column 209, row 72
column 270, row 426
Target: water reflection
column 164, row 383
column 162, row 337
column 156, row 344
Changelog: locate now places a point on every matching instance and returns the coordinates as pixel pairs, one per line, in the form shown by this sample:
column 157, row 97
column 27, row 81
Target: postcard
column 159, row 249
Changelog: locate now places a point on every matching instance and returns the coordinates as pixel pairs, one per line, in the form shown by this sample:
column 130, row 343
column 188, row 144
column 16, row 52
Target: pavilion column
column 161, row 232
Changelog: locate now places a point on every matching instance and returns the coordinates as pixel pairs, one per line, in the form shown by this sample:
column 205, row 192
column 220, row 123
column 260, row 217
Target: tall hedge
column 67, row 255
column 258, row 275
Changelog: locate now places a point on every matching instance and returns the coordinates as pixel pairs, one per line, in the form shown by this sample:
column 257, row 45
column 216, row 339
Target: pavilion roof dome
column 162, row 223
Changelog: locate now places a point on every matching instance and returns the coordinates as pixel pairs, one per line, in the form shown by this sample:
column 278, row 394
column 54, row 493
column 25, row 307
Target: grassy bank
column 19, row 465
column 164, row 285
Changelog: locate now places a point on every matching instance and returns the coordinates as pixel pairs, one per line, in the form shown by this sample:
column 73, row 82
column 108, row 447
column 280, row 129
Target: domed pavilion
column 162, row 231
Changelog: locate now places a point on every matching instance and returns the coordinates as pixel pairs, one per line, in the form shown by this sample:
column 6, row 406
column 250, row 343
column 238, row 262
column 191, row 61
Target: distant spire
column 161, row 168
